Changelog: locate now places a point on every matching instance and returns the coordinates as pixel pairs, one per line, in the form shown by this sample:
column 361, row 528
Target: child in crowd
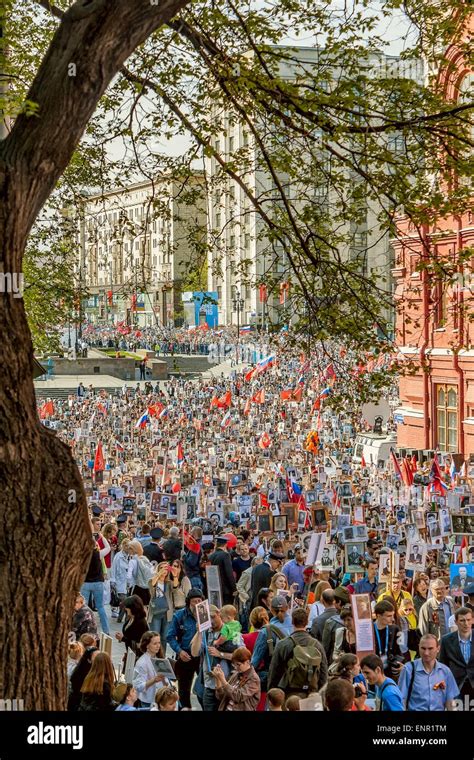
column 293, row 703
column 276, row 700
column 166, row 700
column 231, row 630
column 126, row 696
column 76, row 650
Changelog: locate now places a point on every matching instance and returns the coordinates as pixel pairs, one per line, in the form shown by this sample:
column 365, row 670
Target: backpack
column 278, row 633
column 303, row 667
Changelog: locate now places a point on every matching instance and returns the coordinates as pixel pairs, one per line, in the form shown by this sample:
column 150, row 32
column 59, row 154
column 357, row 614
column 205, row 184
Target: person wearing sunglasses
column 408, row 620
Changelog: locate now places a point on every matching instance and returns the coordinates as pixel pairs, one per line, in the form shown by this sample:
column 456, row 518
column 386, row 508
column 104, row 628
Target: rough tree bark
column 45, row 539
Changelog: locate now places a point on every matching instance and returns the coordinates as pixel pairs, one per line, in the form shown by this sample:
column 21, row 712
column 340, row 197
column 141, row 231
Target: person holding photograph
column 436, row 611
column 160, row 610
column 279, row 583
column 146, row 681
column 181, row 633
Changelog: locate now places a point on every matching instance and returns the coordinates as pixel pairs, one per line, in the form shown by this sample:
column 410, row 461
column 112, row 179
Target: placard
column 328, row 559
column 203, row 616
column 363, row 625
column 354, row 555
column 213, row 582
column 460, row 576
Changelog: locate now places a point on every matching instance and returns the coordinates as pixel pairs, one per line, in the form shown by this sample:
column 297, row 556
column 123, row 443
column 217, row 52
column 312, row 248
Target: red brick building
column 432, row 325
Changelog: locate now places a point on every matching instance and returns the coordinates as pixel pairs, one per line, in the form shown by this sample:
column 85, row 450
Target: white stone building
column 240, row 254
column 134, row 248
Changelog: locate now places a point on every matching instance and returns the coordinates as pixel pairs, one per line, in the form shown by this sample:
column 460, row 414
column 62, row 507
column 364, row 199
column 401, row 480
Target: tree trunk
column 45, row 538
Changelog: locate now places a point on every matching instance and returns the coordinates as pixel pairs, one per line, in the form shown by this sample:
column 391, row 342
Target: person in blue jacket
column 181, row 632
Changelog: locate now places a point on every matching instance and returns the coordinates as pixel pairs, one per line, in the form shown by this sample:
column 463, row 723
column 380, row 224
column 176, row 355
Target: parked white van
column 373, row 447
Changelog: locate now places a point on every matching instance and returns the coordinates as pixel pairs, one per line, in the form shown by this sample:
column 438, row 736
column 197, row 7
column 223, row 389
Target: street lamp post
column 238, row 305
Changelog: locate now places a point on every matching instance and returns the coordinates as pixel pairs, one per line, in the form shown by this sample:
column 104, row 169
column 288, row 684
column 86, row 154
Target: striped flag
column 143, row 420
column 180, row 455
column 226, row 420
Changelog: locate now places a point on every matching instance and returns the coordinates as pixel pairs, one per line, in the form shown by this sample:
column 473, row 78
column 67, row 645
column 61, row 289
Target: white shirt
column 144, row 671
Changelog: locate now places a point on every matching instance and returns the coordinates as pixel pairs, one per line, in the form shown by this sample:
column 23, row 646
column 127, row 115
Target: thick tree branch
column 89, row 47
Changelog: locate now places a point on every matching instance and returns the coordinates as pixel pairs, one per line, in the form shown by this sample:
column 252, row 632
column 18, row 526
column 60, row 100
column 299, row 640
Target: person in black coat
column 262, row 575
column 153, row 551
column 221, row 558
column 78, row 676
column 173, row 547
column 451, row 654
column 135, row 624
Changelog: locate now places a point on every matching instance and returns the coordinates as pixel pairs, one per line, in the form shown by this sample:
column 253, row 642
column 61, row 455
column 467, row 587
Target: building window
column 441, row 305
column 447, row 417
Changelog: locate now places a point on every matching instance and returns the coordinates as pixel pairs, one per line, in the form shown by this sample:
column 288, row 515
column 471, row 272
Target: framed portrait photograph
column 301, row 519
column 280, row 523
column 163, row 668
column 291, row 511
column 265, row 522
column 458, row 523
column 354, row 556
column 328, row 560
column 319, row 517
column 419, row 519
column 203, row 615
column 416, row 555
column 460, row 576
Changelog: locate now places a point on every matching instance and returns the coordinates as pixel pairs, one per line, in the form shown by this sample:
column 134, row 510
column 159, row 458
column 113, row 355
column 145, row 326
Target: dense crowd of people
column 326, row 585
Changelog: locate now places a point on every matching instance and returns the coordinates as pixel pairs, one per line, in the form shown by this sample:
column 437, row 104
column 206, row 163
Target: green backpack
column 303, row 667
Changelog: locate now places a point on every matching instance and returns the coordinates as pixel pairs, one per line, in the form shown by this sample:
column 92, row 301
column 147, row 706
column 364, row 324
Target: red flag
column 99, row 464
column 249, row 374
column 329, row 373
column 264, row 501
column 263, row 293
column 297, row 395
column 407, row 474
column 396, row 464
column 414, row 463
column 462, row 553
column 264, row 441
column 47, row 410
column 180, row 455
column 284, row 288
column 190, row 543
column 259, row 397
column 225, row 401
column 286, row 395
column 317, row 405
column 248, row 404
column 101, row 408
column 155, row 409
column 363, row 462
